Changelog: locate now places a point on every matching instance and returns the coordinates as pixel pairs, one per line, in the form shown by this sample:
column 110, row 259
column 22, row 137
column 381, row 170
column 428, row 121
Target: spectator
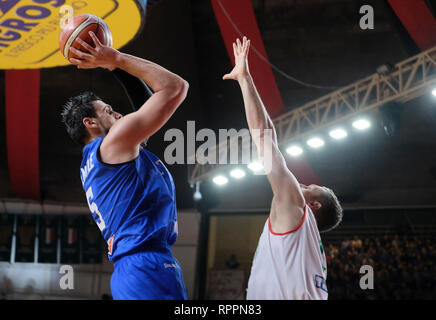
column 345, row 244
column 356, row 243
column 403, row 268
column 232, row 262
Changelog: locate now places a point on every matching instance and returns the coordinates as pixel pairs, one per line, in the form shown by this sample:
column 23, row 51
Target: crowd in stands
column 403, row 268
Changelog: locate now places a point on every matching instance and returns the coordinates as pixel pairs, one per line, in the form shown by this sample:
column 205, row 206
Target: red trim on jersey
column 110, row 244
column 293, row 230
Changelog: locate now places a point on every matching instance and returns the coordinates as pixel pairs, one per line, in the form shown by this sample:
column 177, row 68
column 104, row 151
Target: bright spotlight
column 237, row 173
column 434, row 92
column 315, row 143
column 361, row 124
column 220, row 180
column 255, row 166
column 197, row 193
column 294, row 151
column 338, row 134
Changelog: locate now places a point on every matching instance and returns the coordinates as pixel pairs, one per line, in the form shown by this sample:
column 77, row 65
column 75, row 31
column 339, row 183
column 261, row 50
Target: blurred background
column 304, row 53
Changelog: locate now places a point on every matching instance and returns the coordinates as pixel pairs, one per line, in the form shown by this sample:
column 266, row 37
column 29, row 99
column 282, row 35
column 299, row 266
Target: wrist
column 116, row 59
column 244, row 77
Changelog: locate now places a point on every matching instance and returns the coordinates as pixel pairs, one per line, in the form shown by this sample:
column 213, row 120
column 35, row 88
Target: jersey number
column 94, row 209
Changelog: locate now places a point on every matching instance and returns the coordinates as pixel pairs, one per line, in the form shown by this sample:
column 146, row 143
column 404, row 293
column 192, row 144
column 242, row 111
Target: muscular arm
column 122, row 142
column 169, row 92
column 257, row 117
column 136, row 90
column 288, row 202
column 283, row 182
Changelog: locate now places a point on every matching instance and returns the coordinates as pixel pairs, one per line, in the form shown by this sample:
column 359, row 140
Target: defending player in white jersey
column 289, row 262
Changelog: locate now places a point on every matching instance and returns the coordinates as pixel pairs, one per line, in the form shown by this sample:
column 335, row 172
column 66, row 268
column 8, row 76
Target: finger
column 80, row 64
column 81, row 54
column 86, row 66
column 85, row 45
column 239, row 43
column 227, row 77
column 235, row 51
column 95, row 39
column 75, row 61
column 248, row 47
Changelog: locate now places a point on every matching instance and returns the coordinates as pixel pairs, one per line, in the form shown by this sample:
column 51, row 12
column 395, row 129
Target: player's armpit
column 287, row 208
column 285, row 217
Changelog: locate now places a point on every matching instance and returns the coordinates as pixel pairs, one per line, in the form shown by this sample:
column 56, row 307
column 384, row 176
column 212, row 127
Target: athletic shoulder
column 286, row 217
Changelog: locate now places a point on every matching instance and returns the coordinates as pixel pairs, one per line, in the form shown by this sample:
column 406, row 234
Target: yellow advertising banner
column 29, row 29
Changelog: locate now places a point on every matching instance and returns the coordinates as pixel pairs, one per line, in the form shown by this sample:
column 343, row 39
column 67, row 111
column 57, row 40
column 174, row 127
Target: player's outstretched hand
column 99, row 56
column 240, row 50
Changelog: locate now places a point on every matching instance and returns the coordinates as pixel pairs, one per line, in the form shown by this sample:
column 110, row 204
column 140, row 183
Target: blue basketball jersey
column 133, row 203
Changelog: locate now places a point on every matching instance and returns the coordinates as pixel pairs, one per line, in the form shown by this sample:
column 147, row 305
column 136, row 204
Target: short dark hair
column 329, row 216
column 74, row 110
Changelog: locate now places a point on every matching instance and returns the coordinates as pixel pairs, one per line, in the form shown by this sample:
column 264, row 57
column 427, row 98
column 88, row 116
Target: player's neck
column 92, row 138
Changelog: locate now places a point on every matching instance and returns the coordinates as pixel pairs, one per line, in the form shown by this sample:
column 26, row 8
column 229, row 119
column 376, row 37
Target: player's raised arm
column 122, row 141
column 286, row 189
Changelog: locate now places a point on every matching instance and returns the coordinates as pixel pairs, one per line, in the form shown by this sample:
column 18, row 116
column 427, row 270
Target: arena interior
column 319, row 65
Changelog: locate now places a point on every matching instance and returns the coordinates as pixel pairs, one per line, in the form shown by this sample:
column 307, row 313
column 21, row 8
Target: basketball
column 79, row 27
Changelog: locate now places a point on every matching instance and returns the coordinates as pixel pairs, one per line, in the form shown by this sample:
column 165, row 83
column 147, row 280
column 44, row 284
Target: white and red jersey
column 291, row 265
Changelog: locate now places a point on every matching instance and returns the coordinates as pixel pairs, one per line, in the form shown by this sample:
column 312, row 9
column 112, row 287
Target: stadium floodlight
column 385, row 69
column 237, row 173
column 255, row 166
column 220, row 180
column 361, row 124
column 315, row 142
column 197, row 193
column 434, row 92
column 294, row 150
column 338, row 134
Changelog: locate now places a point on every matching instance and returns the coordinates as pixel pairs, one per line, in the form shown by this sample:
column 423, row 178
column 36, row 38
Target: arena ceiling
column 316, row 41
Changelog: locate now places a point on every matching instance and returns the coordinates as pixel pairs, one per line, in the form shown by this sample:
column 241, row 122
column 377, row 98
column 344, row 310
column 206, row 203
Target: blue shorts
column 150, row 275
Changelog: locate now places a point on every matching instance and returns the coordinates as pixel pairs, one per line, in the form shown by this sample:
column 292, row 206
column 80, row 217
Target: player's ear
column 315, row 204
column 90, row 122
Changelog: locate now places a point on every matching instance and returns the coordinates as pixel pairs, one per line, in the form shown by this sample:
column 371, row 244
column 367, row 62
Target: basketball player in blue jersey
column 129, row 191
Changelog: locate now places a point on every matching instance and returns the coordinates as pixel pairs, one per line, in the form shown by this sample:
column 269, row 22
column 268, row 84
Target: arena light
column 237, row 173
column 385, row 69
column 315, row 142
column 361, row 124
column 197, row 193
column 294, row 150
column 255, row 166
column 338, row 134
column 220, row 180
column 434, row 92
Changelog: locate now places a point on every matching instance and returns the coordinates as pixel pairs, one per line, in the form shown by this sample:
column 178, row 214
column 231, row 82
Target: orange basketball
column 79, row 27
